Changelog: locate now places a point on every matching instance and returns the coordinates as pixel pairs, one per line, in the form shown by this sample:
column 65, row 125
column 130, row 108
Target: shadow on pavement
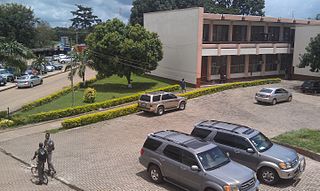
column 165, row 185
column 287, row 183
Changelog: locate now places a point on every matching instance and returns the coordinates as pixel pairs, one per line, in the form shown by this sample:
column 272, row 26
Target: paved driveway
column 104, row 156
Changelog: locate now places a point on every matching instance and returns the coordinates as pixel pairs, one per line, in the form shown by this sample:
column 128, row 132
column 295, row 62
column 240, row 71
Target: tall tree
column 17, row 23
column 120, row 49
column 45, row 35
column 312, row 56
column 246, row 7
column 14, row 54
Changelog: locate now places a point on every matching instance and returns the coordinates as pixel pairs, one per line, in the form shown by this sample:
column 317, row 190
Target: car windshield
column 261, row 142
column 145, row 98
column 213, row 158
column 265, row 90
column 307, row 83
column 24, row 78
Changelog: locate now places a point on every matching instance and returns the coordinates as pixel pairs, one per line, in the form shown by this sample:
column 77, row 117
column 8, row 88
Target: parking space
column 104, row 156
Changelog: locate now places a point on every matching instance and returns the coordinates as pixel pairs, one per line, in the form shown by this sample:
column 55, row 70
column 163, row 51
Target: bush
column 3, row 114
column 89, row 95
column 110, row 114
column 53, row 96
column 5, row 123
column 101, row 116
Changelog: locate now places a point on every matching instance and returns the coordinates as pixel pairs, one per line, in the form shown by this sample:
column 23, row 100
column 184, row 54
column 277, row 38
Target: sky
column 57, row 12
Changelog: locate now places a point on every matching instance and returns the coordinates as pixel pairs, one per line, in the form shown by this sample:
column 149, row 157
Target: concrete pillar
column 228, row 67
column 210, row 31
column 230, row 32
column 281, row 35
column 263, row 66
column 209, row 68
column 246, row 65
column 279, row 63
column 249, row 32
column 266, row 29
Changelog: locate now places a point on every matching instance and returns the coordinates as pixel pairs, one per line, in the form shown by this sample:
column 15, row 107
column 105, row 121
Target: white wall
column 178, row 32
column 302, row 39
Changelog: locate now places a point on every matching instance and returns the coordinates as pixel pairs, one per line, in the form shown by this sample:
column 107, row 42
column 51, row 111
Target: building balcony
column 233, row 48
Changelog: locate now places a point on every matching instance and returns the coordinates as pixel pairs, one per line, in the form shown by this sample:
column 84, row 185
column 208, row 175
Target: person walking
column 41, row 155
column 183, row 86
column 49, row 146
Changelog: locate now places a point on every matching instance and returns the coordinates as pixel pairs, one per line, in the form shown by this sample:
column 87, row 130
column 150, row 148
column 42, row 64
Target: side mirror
column 250, row 150
column 195, row 168
column 227, row 154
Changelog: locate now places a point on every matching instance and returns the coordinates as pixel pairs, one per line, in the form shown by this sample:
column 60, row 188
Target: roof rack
column 170, row 140
column 214, row 122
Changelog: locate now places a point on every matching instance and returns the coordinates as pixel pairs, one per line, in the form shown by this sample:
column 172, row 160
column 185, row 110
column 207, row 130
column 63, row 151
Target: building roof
column 228, row 17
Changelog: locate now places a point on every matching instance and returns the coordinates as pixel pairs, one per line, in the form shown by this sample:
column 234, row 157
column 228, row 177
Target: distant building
column 65, row 43
column 200, row 47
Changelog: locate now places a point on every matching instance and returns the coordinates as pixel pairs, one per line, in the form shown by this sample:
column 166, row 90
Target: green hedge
column 54, row 96
column 3, row 114
column 71, row 111
column 222, row 87
column 101, row 116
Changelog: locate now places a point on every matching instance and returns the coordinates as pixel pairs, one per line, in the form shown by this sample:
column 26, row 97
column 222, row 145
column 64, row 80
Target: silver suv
column 193, row 164
column 159, row 102
column 252, row 149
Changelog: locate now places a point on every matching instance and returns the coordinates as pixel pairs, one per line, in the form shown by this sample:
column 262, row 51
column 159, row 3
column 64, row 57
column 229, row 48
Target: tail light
column 141, row 152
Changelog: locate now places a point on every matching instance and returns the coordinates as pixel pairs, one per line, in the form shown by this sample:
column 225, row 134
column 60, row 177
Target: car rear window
column 201, row 133
column 145, row 98
column 152, row 144
column 264, row 90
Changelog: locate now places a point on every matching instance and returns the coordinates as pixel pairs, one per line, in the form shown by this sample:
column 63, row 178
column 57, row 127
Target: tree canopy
column 312, row 56
column 45, row 35
column 117, row 48
column 243, row 7
column 17, row 23
column 84, row 18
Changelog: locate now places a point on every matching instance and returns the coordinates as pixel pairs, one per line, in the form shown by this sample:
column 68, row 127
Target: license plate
column 143, row 104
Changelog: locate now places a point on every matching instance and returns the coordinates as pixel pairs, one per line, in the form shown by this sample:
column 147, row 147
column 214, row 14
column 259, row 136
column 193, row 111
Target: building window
column 237, row 64
column 286, row 34
column 271, row 62
column 239, row 33
column 257, row 33
column 220, row 32
column 218, row 65
column 255, row 62
column 206, row 32
column 274, row 33
column 286, row 61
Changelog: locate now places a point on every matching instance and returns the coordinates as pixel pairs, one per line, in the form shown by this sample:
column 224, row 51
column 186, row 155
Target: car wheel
column 274, row 101
column 289, row 98
column 268, row 176
column 31, row 85
column 160, row 110
column 182, row 105
column 155, row 174
column 41, row 81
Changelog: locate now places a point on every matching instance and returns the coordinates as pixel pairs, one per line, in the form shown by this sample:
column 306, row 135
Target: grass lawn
column 303, row 138
column 108, row 88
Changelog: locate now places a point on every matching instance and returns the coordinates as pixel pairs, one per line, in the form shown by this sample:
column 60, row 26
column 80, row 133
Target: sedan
column 50, row 67
column 3, row 81
column 28, row 81
column 273, row 95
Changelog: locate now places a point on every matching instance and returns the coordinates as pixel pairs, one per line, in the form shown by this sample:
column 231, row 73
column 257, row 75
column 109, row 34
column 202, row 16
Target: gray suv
column 193, row 164
column 252, row 149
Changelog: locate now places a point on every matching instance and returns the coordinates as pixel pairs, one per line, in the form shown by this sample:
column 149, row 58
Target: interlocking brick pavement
column 104, row 156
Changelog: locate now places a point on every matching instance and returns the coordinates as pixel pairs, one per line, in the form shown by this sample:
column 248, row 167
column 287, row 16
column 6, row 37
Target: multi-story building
column 202, row 47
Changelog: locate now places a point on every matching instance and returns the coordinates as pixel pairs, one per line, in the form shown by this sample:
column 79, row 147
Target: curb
column 47, row 76
column 307, row 153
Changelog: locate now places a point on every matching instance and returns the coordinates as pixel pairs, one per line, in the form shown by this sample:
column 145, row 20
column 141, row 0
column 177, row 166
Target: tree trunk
column 72, row 88
column 128, row 76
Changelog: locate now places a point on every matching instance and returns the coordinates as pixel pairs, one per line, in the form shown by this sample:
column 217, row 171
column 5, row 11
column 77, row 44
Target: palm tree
column 14, row 54
column 38, row 63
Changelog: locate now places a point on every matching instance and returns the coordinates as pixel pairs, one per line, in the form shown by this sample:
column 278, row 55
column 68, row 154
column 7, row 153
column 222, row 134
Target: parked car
column 65, row 59
column 273, row 95
column 57, row 66
column 3, row 81
column 49, row 67
column 311, row 86
column 55, row 57
column 7, row 75
column 159, row 102
column 252, row 149
column 29, row 81
column 193, row 164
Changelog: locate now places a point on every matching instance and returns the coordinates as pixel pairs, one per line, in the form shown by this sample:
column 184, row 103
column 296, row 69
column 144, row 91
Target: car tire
column 31, row 85
column 160, row 110
column 155, row 174
column 274, row 102
column 41, row 82
column 182, row 105
column 289, row 99
column 268, row 176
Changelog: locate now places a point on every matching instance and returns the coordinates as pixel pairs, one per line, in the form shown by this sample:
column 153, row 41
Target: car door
column 192, row 179
column 168, row 101
column 278, row 95
column 174, row 102
column 171, row 161
column 285, row 95
column 223, row 140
